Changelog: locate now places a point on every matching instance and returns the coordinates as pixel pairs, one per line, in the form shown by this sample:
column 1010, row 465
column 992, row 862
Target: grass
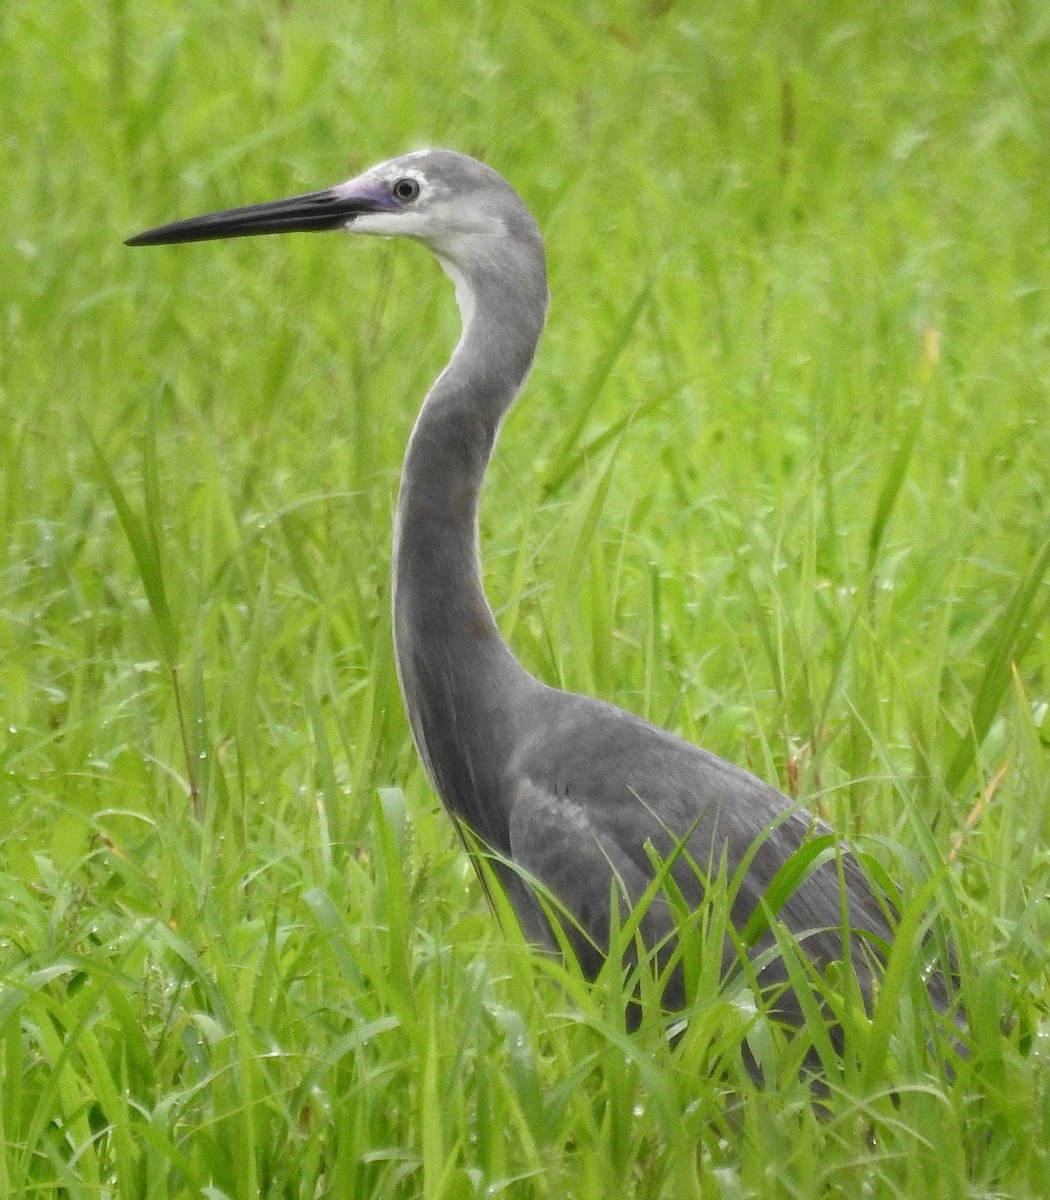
column 780, row 482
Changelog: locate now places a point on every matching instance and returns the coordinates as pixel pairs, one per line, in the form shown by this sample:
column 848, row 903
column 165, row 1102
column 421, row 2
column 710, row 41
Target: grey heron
column 576, row 800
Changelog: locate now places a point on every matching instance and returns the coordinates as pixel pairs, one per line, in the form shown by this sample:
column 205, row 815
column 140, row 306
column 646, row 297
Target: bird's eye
column 406, row 190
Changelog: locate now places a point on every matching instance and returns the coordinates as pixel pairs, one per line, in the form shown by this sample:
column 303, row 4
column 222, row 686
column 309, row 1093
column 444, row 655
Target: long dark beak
column 333, row 208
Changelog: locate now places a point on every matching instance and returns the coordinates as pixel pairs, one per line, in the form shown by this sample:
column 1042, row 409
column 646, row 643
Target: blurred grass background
column 779, row 481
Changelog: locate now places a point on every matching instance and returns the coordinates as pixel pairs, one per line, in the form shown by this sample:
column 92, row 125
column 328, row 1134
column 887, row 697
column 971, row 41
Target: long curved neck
column 461, row 684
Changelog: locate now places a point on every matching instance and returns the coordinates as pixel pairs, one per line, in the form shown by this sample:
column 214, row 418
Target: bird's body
column 564, row 789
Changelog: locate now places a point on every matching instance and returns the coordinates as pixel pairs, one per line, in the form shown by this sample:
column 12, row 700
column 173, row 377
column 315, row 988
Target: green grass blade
column 143, row 538
column 1023, row 618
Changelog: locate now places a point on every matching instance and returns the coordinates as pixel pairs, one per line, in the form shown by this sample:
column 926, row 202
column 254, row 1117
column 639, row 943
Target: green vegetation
column 780, row 481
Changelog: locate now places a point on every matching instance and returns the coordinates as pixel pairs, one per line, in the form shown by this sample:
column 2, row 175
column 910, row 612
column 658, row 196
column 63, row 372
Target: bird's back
column 596, row 797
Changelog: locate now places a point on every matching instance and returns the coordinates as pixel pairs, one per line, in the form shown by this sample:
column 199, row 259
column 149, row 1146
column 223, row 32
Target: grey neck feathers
column 451, row 658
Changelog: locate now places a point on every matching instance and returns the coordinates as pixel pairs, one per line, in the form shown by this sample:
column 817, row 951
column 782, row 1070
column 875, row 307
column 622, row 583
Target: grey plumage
column 574, row 791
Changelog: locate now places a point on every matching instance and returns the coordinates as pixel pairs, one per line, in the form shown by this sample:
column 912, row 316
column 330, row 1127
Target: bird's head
column 463, row 210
